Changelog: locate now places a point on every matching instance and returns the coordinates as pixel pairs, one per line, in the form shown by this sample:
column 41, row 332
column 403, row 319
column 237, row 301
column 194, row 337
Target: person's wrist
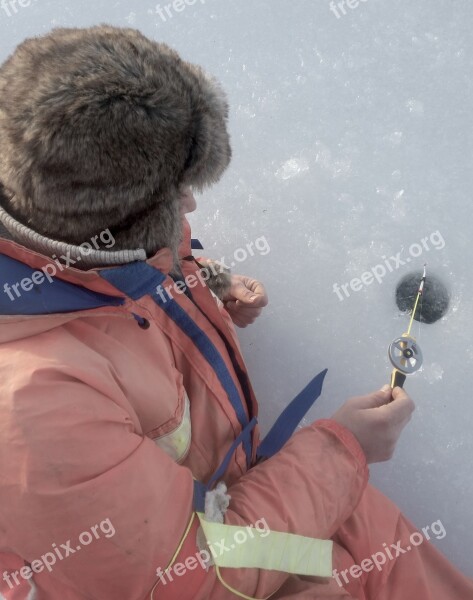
column 346, row 436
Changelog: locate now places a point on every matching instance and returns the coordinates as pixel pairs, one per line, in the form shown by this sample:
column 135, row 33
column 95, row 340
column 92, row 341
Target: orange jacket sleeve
column 310, row 488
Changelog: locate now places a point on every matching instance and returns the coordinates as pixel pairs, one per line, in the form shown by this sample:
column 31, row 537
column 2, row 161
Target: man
column 127, row 419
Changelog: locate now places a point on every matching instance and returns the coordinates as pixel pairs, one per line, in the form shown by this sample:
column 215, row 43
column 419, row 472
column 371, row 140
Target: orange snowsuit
column 105, row 424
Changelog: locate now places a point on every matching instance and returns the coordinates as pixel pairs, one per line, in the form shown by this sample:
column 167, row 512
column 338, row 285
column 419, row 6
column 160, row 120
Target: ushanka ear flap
column 210, row 151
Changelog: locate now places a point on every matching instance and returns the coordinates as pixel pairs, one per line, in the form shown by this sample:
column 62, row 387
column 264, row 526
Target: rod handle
column 397, row 379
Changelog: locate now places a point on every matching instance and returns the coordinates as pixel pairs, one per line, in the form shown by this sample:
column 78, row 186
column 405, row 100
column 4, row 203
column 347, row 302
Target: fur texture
column 217, row 276
column 101, row 128
column 217, row 502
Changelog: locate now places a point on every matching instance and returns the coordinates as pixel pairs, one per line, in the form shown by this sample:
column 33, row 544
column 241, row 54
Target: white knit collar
column 85, row 257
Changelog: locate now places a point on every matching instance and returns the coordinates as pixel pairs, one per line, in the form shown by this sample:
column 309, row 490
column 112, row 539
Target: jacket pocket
column 176, row 443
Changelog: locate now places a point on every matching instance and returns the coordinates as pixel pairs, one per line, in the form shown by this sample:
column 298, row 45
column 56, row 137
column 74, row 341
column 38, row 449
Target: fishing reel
column 406, row 358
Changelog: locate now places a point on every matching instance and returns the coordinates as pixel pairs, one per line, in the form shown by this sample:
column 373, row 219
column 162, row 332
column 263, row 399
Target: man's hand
column 245, row 300
column 377, row 420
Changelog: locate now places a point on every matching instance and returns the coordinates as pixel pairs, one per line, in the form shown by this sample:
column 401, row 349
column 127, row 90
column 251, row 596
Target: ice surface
column 352, row 141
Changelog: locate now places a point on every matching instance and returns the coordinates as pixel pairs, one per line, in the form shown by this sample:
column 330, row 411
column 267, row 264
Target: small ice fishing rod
column 404, row 352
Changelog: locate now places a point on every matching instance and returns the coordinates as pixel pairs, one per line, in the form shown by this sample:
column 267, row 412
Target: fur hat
column 101, row 128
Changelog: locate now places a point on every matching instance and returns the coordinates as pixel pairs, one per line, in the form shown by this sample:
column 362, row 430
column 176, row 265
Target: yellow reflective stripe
column 238, row 547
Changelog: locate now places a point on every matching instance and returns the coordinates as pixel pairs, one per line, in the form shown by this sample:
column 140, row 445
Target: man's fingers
column 239, row 291
column 243, row 309
column 402, row 406
column 260, row 292
column 246, row 296
column 240, row 323
column 247, row 291
column 242, row 315
column 257, row 295
column 245, row 300
column 376, row 399
column 230, row 305
column 399, row 393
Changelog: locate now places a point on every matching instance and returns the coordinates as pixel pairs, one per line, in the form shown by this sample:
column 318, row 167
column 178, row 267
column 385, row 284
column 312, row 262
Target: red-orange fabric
column 85, row 399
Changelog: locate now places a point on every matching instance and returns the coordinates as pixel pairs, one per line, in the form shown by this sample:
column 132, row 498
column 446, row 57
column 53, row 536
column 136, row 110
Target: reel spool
column 405, row 355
